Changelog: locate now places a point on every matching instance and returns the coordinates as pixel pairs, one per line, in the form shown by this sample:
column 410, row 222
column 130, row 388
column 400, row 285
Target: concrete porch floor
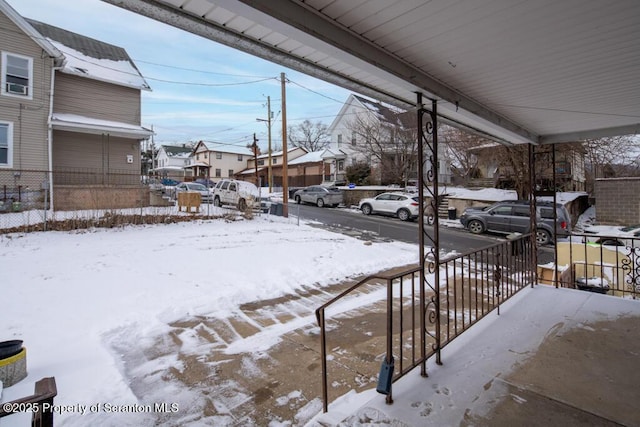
column 552, row 357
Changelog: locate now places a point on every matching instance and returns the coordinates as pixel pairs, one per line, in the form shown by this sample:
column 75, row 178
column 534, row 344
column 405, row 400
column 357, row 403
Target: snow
column 75, row 119
column 75, row 296
column 490, row 350
column 119, row 72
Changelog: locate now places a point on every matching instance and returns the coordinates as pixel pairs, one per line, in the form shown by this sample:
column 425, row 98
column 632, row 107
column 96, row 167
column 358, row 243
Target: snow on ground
column 65, row 293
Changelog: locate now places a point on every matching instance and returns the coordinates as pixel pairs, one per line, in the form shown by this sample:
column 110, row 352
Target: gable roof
column 28, row 29
column 225, row 148
column 177, row 150
column 91, row 58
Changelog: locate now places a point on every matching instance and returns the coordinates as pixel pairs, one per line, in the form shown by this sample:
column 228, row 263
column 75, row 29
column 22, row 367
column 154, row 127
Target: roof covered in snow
column 92, row 58
column 222, row 147
column 77, row 123
column 313, row 157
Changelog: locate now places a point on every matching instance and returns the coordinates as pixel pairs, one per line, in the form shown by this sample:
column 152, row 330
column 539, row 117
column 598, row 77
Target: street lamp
column 268, row 120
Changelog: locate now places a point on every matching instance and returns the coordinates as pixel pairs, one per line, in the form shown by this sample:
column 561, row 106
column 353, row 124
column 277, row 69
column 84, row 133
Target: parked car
column 513, row 216
column 404, row 206
column 319, row 196
column 240, row 194
column 205, row 195
column 206, row 182
column 614, row 236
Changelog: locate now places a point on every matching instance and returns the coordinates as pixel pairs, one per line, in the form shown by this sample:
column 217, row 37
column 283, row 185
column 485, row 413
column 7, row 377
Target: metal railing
column 472, row 285
column 604, row 264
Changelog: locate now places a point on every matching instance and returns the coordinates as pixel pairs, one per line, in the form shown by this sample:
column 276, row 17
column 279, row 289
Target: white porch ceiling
column 523, row 71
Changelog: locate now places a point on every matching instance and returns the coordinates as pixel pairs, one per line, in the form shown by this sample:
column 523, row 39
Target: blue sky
column 201, row 90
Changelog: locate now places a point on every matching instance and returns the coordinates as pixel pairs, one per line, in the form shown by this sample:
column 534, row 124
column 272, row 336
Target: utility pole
column 270, row 175
column 285, row 164
column 254, row 147
column 268, row 120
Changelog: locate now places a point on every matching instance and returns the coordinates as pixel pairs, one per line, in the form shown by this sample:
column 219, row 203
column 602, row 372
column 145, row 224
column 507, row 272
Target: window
column 17, row 75
column 230, row 172
column 274, row 161
column 502, row 210
column 205, row 155
column 218, row 156
column 521, row 211
column 6, row 144
column 260, row 162
column 239, row 157
column 197, row 156
column 340, row 165
column 339, row 138
column 218, row 173
column 353, row 138
column 232, row 187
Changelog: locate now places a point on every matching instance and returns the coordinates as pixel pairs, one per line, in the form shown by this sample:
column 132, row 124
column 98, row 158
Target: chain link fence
column 84, row 198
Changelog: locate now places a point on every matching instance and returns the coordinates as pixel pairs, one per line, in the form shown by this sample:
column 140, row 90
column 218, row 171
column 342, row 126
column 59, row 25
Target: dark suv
column 514, row 216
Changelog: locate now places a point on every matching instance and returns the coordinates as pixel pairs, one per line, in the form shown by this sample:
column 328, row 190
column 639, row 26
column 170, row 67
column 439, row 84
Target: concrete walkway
column 554, row 357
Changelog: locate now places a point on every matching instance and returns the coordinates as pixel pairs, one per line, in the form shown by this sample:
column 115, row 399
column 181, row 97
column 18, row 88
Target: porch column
column 429, row 256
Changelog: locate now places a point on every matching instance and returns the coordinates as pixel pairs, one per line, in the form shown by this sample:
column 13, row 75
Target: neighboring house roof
column 227, row 148
column 76, row 123
column 382, row 113
column 28, row 29
column 313, row 157
column 177, row 151
column 281, row 152
column 333, row 153
column 92, row 58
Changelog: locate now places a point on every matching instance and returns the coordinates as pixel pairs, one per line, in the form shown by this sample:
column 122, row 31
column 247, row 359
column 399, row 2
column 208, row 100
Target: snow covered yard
column 86, row 302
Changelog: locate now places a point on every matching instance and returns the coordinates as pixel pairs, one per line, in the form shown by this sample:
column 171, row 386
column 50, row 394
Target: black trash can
column 593, row 284
column 452, row 213
column 276, row 209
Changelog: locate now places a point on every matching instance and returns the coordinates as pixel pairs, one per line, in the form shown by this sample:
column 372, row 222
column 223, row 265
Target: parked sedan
column 404, row 206
column 613, row 235
column 205, row 195
column 319, row 196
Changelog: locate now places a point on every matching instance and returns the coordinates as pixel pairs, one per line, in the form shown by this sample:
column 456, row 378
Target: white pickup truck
column 240, row 194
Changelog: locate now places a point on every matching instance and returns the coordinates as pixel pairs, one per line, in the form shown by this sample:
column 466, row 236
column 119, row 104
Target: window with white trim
column 17, row 75
column 6, row 144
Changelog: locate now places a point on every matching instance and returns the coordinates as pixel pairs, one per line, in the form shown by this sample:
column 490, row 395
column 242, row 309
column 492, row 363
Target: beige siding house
column 277, row 159
column 69, row 118
column 217, row 160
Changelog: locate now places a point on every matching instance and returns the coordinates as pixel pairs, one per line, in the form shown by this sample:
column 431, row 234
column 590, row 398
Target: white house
column 172, row 161
column 349, row 143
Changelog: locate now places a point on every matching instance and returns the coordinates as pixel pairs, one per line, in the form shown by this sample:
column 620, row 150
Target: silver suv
column 513, row 216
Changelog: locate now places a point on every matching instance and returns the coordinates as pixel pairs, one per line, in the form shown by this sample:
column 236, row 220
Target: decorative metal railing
column 471, row 285
column 603, row 264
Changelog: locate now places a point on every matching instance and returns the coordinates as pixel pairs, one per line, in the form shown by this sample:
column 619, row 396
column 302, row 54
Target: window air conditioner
column 17, row 89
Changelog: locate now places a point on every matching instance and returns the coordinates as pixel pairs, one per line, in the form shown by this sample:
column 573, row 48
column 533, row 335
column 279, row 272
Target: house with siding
column 70, row 118
column 370, row 132
column 218, row 160
column 277, row 161
column 174, row 161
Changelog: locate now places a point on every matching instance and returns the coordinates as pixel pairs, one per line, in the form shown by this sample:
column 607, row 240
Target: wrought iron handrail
column 472, row 285
column 606, row 264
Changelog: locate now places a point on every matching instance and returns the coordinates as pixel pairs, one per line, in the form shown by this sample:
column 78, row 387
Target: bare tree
column 308, row 135
column 616, row 150
column 458, row 148
column 390, row 144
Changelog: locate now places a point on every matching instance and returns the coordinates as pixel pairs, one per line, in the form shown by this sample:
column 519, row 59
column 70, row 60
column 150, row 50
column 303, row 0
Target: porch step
column 443, row 208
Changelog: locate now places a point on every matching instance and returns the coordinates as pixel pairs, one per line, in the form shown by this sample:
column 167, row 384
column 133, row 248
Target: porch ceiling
column 522, row 71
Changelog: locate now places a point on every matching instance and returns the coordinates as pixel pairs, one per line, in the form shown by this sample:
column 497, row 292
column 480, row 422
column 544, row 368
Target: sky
column 201, row 90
